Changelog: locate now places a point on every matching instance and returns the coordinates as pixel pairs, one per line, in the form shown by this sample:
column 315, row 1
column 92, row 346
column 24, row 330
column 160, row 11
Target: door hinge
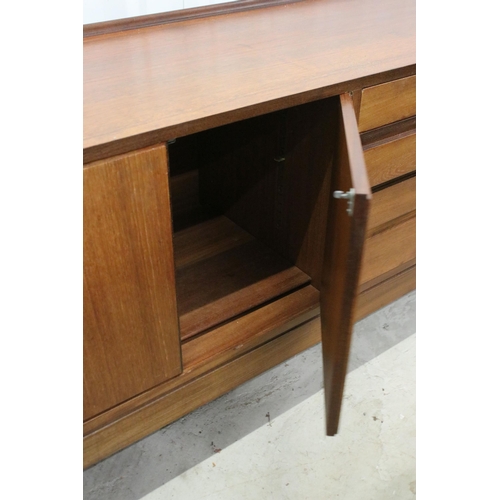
column 349, row 196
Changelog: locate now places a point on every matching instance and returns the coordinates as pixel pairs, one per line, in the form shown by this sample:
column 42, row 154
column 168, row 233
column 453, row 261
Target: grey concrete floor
column 160, row 458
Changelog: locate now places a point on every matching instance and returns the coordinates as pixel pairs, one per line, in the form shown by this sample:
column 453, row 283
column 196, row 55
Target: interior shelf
column 222, row 271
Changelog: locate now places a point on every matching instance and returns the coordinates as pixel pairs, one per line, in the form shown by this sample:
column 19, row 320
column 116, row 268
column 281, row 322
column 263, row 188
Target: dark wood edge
column 157, row 145
column 139, row 141
column 397, row 180
column 359, row 174
column 387, row 133
column 132, row 23
column 356, row 100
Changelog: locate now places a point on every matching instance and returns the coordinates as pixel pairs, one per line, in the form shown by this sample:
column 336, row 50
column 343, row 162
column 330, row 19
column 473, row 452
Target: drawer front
column 391, row 159
column 389, row 250
column 386, row 292
column 387, row 103
column 391, row 203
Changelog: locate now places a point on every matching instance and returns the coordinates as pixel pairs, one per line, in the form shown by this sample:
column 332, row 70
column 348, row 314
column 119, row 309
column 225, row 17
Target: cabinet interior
column 249, row 207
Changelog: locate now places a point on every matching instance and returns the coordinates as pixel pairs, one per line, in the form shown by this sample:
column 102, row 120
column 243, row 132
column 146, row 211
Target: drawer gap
column 387, row 133
column 393, row 182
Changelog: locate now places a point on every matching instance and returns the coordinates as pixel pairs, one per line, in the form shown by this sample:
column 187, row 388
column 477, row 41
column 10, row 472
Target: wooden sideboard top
column 145, row 86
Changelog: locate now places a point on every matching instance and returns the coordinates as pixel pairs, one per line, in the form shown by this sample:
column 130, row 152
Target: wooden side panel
column 131, row 333
column 392, row 159
column 342, row 264
column 387, row 103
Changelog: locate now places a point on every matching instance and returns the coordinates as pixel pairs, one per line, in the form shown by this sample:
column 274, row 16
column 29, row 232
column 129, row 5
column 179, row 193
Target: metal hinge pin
column 349, row 196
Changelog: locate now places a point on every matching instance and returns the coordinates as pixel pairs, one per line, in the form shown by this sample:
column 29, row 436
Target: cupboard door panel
column 342, row 261
column 131, row 334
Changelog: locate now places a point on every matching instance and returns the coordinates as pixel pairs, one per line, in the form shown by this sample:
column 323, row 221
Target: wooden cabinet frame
column 284, row 302
column 214, row 248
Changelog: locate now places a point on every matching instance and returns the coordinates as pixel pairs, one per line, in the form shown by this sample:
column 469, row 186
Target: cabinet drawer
column 392, row 159
column 391, row 203
column 388, row 250
column 386, row 292
column 387, row 103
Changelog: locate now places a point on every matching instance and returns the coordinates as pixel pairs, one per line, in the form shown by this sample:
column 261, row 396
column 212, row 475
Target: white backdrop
column 95, row 11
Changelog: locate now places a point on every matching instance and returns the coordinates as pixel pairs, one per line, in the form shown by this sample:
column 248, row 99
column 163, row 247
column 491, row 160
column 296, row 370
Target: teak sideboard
column 249, row 191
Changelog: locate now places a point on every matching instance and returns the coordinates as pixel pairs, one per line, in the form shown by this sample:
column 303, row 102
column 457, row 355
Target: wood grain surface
column 344, row 246
column 389, row 132
column 380, row 278
column 388, row 250
column 226, row 273
column 108, row 435
column 251, row 330
column 131, row 334
column 272, row 175
column 202, row 354
column 223, row 344
column 387, row 103
column 385, row 292
column 391, row 159
column 197, row 392
column 145, row 86
column 205, row 240
column 391, row 203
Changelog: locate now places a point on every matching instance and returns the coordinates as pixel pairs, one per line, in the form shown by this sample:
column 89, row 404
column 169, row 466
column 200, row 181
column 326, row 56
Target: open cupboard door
column 347, row 218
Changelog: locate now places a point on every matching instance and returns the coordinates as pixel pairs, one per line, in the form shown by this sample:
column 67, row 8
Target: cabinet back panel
column 271, row 175
column 184, row 162
column 240, row 177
